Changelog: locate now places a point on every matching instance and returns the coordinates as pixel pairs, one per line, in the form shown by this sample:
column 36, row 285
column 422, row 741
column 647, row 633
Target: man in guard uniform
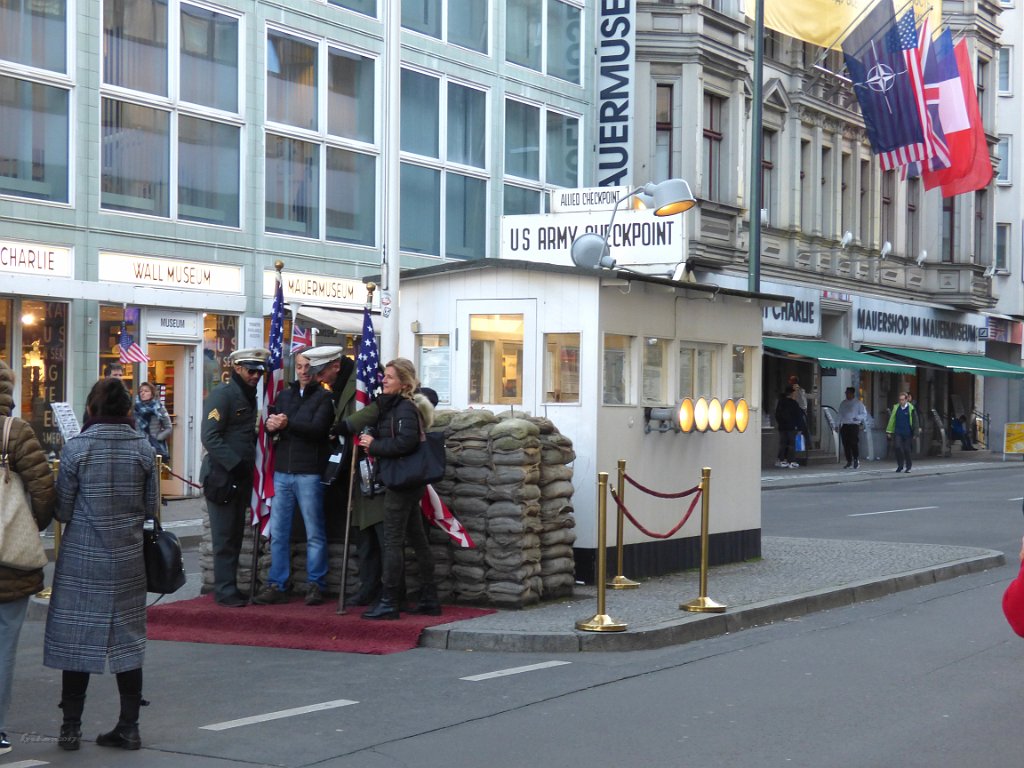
column 229, row 436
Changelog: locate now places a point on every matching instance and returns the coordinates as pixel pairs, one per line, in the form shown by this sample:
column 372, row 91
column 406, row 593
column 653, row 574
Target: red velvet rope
column 652, row 534
column 187, row 482
column 679, row 495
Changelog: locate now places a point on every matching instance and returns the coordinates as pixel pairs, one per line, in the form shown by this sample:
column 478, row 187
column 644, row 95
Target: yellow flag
column 827, row 22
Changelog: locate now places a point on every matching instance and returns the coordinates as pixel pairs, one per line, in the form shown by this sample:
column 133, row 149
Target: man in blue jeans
column 303, row 416
column 903, row 423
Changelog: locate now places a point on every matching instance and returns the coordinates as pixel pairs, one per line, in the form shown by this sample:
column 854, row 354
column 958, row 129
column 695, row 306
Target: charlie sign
column 635, row 238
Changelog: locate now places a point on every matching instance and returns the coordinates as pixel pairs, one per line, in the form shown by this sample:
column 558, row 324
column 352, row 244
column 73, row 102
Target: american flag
column 367, row 365
column 301, row 337
column 127, row 350
column 437, row 513
column 903, row 38
column 273, row 383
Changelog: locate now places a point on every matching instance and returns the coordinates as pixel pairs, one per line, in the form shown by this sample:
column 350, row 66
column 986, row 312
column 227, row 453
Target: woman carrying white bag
column 24, row 471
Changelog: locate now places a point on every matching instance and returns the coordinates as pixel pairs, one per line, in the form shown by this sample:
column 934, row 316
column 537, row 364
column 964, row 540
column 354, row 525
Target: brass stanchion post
column 704, row 604
column 601, row 622
column 620, row 581
column 162, row 473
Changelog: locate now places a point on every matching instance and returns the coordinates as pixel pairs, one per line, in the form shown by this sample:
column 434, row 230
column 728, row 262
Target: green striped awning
column 976, row 364
column 833, row 356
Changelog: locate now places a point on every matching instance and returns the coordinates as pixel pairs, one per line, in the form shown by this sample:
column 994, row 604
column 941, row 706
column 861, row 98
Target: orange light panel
column 729, row 416
column 686, row 415
column 742, row 415
column 700, row 415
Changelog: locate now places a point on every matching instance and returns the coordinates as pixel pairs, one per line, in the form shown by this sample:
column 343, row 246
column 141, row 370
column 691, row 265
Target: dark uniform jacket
column 228, row 432
column 302, row 448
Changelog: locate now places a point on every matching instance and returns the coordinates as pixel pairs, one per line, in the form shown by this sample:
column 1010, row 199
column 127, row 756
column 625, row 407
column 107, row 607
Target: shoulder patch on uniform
column 214, row 414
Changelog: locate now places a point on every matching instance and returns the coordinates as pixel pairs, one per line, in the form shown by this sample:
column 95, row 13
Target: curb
column 693, row 627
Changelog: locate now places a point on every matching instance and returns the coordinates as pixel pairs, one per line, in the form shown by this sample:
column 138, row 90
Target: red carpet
column 295, row 625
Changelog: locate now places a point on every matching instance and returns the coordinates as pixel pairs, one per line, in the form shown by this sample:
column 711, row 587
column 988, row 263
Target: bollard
column 704, row 604
column 601, row 622
column 620, row 581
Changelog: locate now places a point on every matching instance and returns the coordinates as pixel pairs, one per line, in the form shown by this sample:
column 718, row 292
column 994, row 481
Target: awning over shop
column 833, row 356
column 976, row 364
column 339, row 320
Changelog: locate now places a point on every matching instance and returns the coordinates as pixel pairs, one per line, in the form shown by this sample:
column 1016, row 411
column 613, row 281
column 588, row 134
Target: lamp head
column 670, row 197
column 591, row 251
column 847, row 239
column 922, row 257
column 886, row 249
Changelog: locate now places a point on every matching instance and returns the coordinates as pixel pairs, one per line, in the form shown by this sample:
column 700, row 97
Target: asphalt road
column 920, row 678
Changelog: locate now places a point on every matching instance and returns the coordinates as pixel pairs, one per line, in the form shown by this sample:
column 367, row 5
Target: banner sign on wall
column 616, row 43
column 905, row 325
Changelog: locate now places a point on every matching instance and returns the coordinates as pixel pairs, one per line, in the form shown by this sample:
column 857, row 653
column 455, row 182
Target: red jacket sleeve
column 1013, row 603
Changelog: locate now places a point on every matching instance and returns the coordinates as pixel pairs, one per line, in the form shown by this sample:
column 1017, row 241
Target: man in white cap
column 337, row 373
column 228, row 434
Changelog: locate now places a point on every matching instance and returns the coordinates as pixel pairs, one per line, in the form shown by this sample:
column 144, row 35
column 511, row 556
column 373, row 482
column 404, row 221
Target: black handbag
column 165, row 568
column 423, row 466
column 337, row 464
column 219, row 487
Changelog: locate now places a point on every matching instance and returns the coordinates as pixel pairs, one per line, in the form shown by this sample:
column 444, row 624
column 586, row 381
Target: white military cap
column 255, row 359
column 320, row 356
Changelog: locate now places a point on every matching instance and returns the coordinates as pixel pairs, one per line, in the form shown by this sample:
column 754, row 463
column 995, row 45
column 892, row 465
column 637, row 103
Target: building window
column 887, row 221
column 846, row 192
column 696, row 371
column 467, row 24
column 1002, row 246
column 527, row 23
column 220, row 339
column 713, row 110
column 617, row 374
column 423, row 16
column 452, row 221
column 663, row 131
column 434, row 364
column 198, row 176
column 913, row 205
column 768, row 148
column 806, row 196
column 34, row 34
column 43, row 365
column 561, row 367
column 529, row 151
column 980, row 82
column 1005, row 68
column 496, row 359
column 321, row 156
column 34, row 140
column 948, row 229
column 655, row 372
column 740, row 362
column 1003, row 153
column 827, row 190
column 864, row 227
column 981, row 250
column 366, row 7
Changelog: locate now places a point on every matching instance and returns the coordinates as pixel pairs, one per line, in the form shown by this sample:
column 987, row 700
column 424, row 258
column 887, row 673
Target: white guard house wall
column 557, row 299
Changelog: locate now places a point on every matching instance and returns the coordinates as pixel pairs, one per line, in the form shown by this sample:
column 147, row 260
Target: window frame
column 539, row 186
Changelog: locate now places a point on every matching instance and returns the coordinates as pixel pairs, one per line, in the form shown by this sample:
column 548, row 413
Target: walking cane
column 348, row 527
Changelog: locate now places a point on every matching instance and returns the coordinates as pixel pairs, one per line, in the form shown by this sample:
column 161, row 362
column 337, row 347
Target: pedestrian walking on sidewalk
column 789, row 421
column 106, row 489
column 903, row 423
column 852, row 418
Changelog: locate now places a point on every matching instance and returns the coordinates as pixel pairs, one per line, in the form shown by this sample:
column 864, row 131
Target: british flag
column 273, row 383
column 301, row 337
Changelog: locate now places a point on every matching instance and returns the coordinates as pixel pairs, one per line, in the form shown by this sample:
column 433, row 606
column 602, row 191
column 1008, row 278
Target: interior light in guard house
column 670, row 197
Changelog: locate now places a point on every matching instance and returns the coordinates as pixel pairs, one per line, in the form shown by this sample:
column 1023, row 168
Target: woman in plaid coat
column 106, row 488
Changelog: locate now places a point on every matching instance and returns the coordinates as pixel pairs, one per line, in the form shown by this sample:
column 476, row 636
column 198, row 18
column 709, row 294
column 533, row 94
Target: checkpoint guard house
column 607, row 355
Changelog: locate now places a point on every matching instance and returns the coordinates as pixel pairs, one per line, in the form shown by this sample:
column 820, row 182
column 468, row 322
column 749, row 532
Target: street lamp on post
column 591, row 250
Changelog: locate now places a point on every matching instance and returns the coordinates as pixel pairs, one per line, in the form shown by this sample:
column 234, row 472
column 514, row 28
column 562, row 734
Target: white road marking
column 890, row 511
column 26, row 764
column 1019, row 498
column 514, row 671
column 278, row 715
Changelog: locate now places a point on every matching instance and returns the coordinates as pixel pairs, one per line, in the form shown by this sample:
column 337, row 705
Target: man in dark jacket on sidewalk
column 301, row 449
column 228, row 434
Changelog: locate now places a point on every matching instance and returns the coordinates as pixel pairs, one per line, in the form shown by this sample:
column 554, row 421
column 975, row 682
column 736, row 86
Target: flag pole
column 756, row 130
column 370, row 288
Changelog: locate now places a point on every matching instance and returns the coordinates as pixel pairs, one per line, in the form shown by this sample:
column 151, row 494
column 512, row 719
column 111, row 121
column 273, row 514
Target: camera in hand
column 369, row 480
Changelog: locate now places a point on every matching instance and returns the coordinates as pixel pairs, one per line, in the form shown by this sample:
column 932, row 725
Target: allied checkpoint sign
column 636, row 238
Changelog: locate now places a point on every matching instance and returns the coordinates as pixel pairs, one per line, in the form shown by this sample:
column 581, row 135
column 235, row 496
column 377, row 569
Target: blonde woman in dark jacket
column 16, row 586
column 402, row 415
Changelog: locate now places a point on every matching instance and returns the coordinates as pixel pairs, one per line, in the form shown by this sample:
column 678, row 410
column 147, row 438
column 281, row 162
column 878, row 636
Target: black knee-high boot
column 126, row 733
column 72, row 702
